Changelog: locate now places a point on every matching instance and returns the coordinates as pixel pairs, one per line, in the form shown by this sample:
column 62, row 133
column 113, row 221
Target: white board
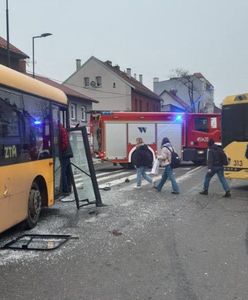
column 116, row 140
column 144, row 130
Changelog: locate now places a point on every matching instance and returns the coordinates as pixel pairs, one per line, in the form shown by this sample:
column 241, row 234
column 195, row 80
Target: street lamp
column 37, row 37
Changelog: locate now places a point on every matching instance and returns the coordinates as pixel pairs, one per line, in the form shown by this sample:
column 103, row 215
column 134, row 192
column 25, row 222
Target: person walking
column 142, row 159
column 216, row 159
column 65, row 155
column 165, row 159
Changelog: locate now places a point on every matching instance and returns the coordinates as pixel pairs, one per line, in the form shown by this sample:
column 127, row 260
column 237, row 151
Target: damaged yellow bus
column 30, row 112
column 235, row 135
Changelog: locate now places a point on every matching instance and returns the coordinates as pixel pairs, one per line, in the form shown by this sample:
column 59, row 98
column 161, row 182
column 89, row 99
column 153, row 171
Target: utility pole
column 7, row 28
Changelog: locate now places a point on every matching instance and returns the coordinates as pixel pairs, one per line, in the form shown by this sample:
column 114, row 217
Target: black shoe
column 204, row 193
column 175, row 193
column 227, row 194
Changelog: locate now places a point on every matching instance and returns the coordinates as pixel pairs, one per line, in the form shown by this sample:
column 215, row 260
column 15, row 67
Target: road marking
column 126, row 176
column 106, row 173
column 178, row 179
column 114, row 176
column 79, row 177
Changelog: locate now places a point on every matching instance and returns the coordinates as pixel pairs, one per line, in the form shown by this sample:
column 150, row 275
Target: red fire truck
column 114, row 134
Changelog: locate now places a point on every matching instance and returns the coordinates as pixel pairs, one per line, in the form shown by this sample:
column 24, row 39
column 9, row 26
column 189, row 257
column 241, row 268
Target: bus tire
column 34, row 206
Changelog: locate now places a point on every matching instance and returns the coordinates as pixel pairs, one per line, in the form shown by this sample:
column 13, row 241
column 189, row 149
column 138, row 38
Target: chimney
column 78, row 64
column 22, row 66
column 108, row 62
column 129, row 72
column 117, row 67
column 134, row 75
column 140, row 78
column 155, row 79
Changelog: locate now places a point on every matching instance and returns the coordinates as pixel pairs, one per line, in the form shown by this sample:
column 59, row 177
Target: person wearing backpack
column 216, row 159
column 142, row 159
column 165, row 161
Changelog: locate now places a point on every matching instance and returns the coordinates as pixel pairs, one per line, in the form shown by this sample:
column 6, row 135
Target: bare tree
column 188, row 80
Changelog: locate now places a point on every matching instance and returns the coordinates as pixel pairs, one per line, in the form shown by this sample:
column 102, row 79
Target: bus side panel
column 174, row 132
column 238, row 163
column 115, row 140
column 16, row 186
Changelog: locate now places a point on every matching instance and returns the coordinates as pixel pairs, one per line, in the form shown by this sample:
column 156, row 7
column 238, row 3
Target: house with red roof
column 116, row 90
column 17, row 57
column 177, row 93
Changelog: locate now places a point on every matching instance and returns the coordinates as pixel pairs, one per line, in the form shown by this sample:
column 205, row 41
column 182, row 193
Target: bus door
column 84, row 181
column 56, row 119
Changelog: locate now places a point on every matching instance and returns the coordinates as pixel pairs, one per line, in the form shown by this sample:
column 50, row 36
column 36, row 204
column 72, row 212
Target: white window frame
column 73, row 111
column 86, row 81
column 83, row 113
column 98, row 81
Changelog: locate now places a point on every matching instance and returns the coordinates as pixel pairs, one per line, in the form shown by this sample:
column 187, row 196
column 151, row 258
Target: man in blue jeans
column 215, row 166
column 142, row 159
column 165, row 159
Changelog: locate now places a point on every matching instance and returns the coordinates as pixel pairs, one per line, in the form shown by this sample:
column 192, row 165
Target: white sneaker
column 137, row 187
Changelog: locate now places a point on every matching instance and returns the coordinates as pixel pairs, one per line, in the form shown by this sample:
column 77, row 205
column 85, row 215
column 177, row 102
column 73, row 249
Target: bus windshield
column 234, row 123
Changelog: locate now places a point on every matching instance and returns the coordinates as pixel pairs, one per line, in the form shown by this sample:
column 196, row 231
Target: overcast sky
column 152, row 37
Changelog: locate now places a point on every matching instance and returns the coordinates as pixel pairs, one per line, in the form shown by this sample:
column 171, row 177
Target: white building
column 115, row 90
column 176, row 93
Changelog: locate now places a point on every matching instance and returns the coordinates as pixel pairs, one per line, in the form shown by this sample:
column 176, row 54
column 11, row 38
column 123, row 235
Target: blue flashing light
column 37, row 122
column 106, row 113
column 179, row 118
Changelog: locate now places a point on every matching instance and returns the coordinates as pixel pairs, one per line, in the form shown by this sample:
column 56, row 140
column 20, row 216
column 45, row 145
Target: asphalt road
column 141, row 245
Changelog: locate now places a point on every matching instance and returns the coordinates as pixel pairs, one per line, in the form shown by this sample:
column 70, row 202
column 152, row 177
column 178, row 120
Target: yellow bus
column 235, row 135
column 30, row 113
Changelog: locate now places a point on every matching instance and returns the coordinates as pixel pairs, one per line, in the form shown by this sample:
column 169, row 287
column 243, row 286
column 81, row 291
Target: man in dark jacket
column 215, row 166
column 142, row 159
column 65, row 155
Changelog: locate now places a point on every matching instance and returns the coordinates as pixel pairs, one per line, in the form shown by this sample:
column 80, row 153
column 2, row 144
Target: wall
column 78, row 102
column 147, row 104
column 110, row 98
column 205, row 97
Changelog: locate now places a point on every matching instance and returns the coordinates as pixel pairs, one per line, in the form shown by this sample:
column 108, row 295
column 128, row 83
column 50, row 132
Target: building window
column 147, row 106
column 114, row 85
column 98, row 81
column 73, row 112
column 83, row 113
column 86, row 81
column 140, row 105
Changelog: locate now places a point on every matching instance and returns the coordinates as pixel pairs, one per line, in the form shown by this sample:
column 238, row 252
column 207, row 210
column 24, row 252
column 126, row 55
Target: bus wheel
column 34, row 206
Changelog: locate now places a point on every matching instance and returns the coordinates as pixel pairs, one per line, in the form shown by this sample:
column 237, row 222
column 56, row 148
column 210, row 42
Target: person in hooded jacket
column 142, row 159
column 165, row 161
column 215, row 166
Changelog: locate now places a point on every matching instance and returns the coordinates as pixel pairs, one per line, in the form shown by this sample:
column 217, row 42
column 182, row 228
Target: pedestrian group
column 143, row 158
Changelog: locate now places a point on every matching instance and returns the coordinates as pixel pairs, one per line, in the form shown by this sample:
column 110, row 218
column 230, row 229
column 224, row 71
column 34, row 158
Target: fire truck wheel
column 127, row 165
column 34, row 206
column 199, row 162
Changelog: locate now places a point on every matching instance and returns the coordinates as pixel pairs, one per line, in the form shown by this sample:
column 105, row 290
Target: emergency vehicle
column 114, row 134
